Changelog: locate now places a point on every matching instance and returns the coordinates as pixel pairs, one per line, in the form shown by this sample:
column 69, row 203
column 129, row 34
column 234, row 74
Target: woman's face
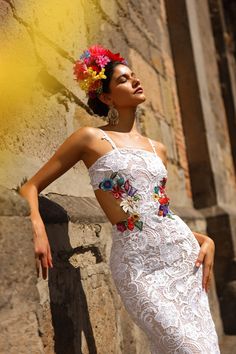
column 122, row 88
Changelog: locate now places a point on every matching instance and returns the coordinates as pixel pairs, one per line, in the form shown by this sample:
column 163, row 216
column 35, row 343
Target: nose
column 137, row 81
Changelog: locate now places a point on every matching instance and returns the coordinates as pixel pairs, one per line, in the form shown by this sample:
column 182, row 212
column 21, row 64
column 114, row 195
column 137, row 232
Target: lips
column 139, row 90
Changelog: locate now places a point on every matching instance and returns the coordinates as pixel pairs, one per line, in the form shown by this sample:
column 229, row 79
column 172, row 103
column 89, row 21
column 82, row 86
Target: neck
column 127, row 121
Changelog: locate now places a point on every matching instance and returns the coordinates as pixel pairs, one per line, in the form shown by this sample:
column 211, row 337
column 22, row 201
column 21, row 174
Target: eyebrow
column 132, row 74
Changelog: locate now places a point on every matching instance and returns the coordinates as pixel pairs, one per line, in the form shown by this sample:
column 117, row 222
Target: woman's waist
column 148, row 215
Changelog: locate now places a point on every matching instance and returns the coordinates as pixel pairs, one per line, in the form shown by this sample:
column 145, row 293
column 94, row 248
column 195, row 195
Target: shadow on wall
column 68, row 304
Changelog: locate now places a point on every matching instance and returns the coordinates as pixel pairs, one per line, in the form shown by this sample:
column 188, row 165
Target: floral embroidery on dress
column 122, row 189
column 161, row 197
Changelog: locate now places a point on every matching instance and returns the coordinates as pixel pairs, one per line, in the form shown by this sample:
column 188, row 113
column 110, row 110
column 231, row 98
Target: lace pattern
column 136, row 185
column 161, row 288
column 154, row 268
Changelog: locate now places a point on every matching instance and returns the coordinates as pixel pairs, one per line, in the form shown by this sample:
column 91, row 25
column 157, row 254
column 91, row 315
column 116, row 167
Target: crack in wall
column 39, row 34
column 53, row 86
column 118, row 28
column 50, row 83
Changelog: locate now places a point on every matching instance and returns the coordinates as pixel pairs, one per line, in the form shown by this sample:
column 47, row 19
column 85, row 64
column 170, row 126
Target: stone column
column 207, row 137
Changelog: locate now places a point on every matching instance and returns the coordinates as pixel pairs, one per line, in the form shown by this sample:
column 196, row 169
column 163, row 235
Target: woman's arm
column 205, row 257
column 64, row 158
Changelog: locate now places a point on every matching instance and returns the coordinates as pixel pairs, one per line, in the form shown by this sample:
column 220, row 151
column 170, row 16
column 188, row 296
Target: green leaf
column 120, row 181
column 139, row 224
column 156, row 189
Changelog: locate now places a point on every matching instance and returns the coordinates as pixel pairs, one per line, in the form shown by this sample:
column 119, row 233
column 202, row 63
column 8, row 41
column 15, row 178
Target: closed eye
column 124, row 76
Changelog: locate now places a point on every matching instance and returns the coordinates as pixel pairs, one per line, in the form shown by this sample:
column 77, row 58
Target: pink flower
column 117, row 192
column 102, row 60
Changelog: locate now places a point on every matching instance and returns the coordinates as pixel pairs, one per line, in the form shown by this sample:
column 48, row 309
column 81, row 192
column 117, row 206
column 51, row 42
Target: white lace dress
column 153, row 255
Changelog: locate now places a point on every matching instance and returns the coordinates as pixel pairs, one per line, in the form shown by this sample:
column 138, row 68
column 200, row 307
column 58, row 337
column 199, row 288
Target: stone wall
column 198, row 34
column 77, row 310
column 19, row 302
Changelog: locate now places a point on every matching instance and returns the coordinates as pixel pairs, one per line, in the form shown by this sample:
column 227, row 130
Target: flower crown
column 89, row 69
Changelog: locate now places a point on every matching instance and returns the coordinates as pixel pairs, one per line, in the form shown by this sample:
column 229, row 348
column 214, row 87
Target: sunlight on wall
column 33, row 35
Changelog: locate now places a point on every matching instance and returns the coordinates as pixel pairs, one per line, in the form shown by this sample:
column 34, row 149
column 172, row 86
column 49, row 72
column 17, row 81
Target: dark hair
column 96, row 104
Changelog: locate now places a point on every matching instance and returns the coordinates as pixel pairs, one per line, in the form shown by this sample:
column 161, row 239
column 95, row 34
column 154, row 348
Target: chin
column 142, row 98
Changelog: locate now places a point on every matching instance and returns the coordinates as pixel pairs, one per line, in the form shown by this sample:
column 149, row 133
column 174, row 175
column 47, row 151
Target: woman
column 161, row 269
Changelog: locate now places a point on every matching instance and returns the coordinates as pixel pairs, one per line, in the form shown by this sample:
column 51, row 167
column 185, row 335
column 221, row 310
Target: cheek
column 123, row 93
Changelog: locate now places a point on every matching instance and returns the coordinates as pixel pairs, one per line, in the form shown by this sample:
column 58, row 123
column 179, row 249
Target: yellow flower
column 135, row 216
column 94, row 76
column 87, row 83
column 101, row 74
column 156, row 197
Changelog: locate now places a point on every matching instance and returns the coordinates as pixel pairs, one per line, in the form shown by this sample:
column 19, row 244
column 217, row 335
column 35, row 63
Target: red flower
column 97, row 50
column 80, row 70
column 164, row 200
column 130, row 223
column 95, row 85
column 114, row 56
column 95, row 68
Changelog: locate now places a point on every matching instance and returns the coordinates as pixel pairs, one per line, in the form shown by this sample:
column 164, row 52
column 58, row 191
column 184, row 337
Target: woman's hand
column 41, row 248
column 206, row 257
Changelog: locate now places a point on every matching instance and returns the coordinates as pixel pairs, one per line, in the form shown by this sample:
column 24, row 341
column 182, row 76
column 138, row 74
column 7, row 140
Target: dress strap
column 106, row 136
column 153, row 147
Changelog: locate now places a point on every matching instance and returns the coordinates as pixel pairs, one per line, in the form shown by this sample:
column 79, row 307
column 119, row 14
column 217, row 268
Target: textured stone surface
column 41, row 105
column 216, row 123
column 229, row 305
column 82, row 296
column 228, row 345
column 19, row 302
column 12, row 204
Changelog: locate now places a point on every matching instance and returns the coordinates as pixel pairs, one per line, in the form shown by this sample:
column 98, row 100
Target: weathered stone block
column 147, row 75
column 19, row 302
column 228, row 303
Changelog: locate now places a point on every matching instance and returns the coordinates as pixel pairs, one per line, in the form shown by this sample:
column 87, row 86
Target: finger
column 206, row 274
column 210, row 278
column 37, row 266
column 200, row 258
column 208, row 284
column 44, row 264
column 44, row 272
column 50, row 257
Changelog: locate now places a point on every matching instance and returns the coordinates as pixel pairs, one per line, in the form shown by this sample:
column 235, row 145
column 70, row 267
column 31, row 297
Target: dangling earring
column 113, row 115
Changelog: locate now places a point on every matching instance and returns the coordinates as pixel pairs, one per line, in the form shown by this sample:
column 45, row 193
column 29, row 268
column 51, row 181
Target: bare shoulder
column 161, row 150
column 86, row 133
column 66, row 156
column 162, row 147
column 159, row 146
column 89, row 131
